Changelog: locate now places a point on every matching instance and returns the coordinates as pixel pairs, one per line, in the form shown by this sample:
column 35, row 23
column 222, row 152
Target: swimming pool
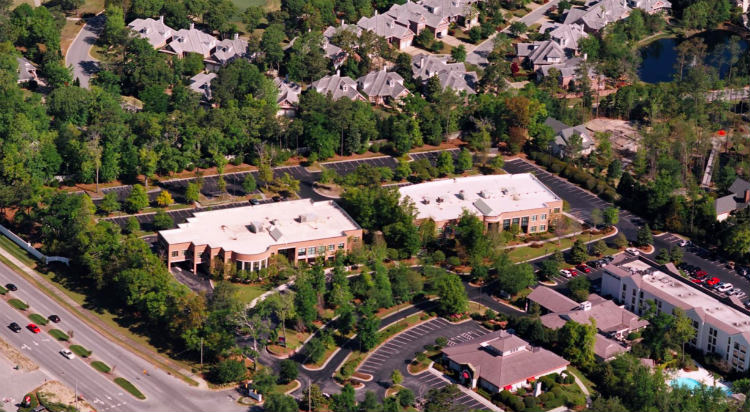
column 692, row 384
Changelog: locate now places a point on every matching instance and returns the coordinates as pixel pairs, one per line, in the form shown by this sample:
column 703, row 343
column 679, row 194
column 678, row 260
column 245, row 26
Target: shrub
column 288, row 371
column 454, row 261
column 38, row 319
column 556, row 168
column 3, row 291
column 569, row 379
column 529, row 402
column 228, row 370
column 441, row 341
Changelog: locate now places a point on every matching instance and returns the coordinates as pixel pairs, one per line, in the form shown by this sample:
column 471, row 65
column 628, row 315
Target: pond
column 659, row 57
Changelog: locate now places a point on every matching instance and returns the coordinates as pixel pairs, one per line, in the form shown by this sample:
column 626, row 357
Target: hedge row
column 575, row 175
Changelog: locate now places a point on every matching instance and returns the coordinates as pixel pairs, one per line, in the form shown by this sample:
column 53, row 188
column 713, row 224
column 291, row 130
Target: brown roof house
column 383, row 87
column 613, row 322
column 501, row 361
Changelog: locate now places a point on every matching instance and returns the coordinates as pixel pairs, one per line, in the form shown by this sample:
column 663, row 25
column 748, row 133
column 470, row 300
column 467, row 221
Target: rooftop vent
column 256, row 227
column 461, row 194
column 425, row 200
column 586, row 305
column 275, row 233
column 439, row 200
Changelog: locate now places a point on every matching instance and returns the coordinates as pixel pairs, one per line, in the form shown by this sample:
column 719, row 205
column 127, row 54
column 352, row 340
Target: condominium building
column 301, row 230
column 501, row 201
column 722, row 328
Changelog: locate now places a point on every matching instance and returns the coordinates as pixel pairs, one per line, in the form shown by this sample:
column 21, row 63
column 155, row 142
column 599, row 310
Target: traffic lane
column 45, row 352
column 160, row 388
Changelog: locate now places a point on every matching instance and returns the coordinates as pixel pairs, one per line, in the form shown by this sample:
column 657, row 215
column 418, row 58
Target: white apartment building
column 721, row 328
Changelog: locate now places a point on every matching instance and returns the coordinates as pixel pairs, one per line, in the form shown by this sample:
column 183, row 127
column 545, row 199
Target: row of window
column 319, row 250
column 542, row 228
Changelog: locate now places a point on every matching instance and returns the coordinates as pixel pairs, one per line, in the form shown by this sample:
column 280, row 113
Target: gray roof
column 192, row 41
column 567, row 35
column 26, row 70
column 338, row 87
column 383, row 84
column 504, row 359
column 154, row 31
column 229, row 49
column 385, row 26
column 551, row 300
column 448, row 8
column 604, row 12
column 451, row 75
column 410, row 13
column 650, row 6
column 725, row 204
column 606, row 348
column 201, row 83
column 739, row 186
column 563, row 133
column 541, row 52
column 288, row 92
column 556, row 125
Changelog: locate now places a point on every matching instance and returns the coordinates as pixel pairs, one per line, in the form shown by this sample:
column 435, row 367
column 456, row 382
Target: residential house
column 737, row 199
column 191, row 41
column 26, row 71
column 541, row 53
column 383, row 87
column 461, row 12
column 248, row 237
column 288, row 97
column 565, row 35
column 598, row 14
column 613, row 322
column 386, row 26
column 501, row 361
column 333, row 52
column 201, row 83
column 451, row 75
column 502, row 202
column 650, row 6
column 225, row 51
column 154, row 31
column 563, row 134
column 722, row 327
column 338, row 86
column 416, row 18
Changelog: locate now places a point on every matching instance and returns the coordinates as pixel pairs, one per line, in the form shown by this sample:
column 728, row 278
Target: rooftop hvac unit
column 586, row 305
column 256, row 226
column 516, row 196
column 308, row 217
column 461, row 194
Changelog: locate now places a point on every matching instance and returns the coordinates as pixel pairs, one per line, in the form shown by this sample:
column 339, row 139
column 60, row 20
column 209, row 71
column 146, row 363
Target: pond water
column 659, row 57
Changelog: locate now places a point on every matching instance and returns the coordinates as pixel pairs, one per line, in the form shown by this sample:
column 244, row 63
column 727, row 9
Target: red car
column 713, row 281
column 698, row 281
column 583, row 268
column 701, row 274
column 33, row 327
column 573, row 272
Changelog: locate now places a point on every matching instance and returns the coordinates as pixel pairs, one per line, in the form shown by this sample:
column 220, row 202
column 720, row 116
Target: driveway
column 78, row 53
column 196, row 283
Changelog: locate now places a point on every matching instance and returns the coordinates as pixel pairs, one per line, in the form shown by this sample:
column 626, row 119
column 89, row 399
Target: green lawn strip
column 524, row 253
column 586, row 381
column 246, row 293
column 109, row 321
column 100, row 366
column 3, row 291
column 125, row 384
column 80, row 351
column 59, row 335
column 38, row 319
column 17, row 252
column 18, row 304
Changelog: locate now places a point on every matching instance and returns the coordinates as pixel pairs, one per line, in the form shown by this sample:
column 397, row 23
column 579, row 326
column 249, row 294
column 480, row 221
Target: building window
column 532, row 229
column 516, row 221
column 175, row 253
column 506, row 224
column 301, row 252
column 331, row 248
column 311, row 251
column 525, row 221
column 533, row 218
column 557, row 210
column 542, row 228
column 321, row 249
column 544, row 216
column 341, row 245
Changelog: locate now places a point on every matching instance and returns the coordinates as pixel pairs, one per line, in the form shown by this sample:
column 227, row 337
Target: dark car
column 54, row 318
column 276, row 198
column 11, row 287
column 14, row 327
column 254, row 202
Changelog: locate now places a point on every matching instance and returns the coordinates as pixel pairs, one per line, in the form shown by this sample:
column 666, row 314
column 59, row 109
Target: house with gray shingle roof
column 191, row 41
column 541, row 53
column 382, row 87
column 417, row 18
column 598, row 14
column 563, row 135
column 451, row 75
column 737, row 199
column 501, row 361
column 227, row 50
column 463, row 12
column 338, row 86
column 201, row 83
column 565, row 35
column 154, row 31
column 332, row 51
column 386, row 26
column 650, row 6
column 288, row 97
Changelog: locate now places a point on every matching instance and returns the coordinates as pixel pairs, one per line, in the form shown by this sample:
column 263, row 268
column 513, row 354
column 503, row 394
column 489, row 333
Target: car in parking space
column 54, row 318
column 583, row 268
column 700, row 274
column 573, row 272
column 712, row 281
column 67, row 353
column 33, row 327
column 725, row 287
column 608, row 258
column 565, row 273
column 633, row 251
column 11, row 287
column 254, row 202
column 697, row 281
column 14, row 327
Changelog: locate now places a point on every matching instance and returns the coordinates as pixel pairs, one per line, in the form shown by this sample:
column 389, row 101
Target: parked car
column 741, row 294
column 14, row 327
column 609, row 258
column 67, row 353
column 33, row 327
column 573, row 272
column 712, row 281
column 633, row 251
column 254, row 202
column 54, row 318
column 723, row 288
column 594, row 264
column 700, row 274
column 583, row 268
column 11, row 287
column 697, row 281
column 565, row 273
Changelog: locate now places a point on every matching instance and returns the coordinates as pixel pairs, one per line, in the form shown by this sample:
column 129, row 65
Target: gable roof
column 739, row 186
column 201, row 83
column 26, row 70
column 154, row 31
column 382, row 83
column 229, row 49
column 451, row 75
column 725, row 204
column 385, row 26
column 288, row 92
column 567, row 35
column 551, row 300
column 192, row 41
column 606, row 348
column 604, row 12
column 338, row 87
column 410, row 12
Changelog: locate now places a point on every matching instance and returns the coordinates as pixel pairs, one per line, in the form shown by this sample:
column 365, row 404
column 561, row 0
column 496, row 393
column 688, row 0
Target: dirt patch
column 16, row 357
column 56, row 392
column 625, row 138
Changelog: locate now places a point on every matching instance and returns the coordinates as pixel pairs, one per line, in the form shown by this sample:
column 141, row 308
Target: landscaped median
column 80, row 351
column 59, row 335
column 38, row 319
column 18, row 304
column 100, row 366
column 125, row 384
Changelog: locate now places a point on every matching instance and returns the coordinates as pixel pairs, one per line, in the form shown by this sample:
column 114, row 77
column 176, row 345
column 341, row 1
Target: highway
column 163, row 392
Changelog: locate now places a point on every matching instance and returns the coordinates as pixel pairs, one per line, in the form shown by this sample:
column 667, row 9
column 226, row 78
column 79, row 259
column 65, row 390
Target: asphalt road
column 78, row 53
column 163, row 392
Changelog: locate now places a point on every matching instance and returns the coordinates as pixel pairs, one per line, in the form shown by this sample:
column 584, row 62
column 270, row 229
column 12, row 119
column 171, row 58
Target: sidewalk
column 479, row 398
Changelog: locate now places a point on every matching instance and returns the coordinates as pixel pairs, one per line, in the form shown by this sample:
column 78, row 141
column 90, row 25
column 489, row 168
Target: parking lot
column 348, row 166
column 429, row 381
column 432, row 156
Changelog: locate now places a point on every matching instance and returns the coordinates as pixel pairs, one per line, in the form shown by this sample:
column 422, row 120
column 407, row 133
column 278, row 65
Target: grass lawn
column 284, row 388
column 586, row 381
column 100, row 366
column 293, row 340
column 125, row 384
column 524, row 253
column 17, row 252
column 246, row 293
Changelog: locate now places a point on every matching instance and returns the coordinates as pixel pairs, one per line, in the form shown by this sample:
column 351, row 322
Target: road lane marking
column 25, row 346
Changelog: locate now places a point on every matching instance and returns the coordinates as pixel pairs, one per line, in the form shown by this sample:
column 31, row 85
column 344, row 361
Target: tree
column 370, row 403
column 597, row 217
column 132, row 225
column 383, row 292
column 644, row 237
column 682, row 329
column 470, row 234
column 464, row 161
column 737, row 242
column 579, row 287
column 345, row 401
column 162, row 220
column 367, row 332
column 397, row 377
column 620, row 241
column 513, row 278
column 305, row 300
column 252, row 17
column 611, row 216
column 192, row 192
column 614, row 170
column 577, row 341
column 599, row 248
column 164, row 199
column 441, row 400
column 405, row 397
column 452, row 294
column 459, row 53
column 517, row 27
column 109, row 204
column 578, row 253
column 114, row 32
column 288, row 371
column 228, row 370
column 278, row 402
column 270, row 44
column 248, row 183
column 445, row 163
column 549, row 268
column 313, row 397
column 137, row 200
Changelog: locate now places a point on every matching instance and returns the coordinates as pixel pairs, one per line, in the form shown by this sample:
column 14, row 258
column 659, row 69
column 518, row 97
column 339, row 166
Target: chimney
column 161, row 19
column 338, row 73
column 747, row 195
column 192, row 26
column 236, row 36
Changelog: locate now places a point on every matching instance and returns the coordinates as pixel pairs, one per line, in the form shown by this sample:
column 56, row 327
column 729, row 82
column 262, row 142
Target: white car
column 683, row 243
column 725, row 287
column 565, row 273
column 633, row 251
column 68, row 354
